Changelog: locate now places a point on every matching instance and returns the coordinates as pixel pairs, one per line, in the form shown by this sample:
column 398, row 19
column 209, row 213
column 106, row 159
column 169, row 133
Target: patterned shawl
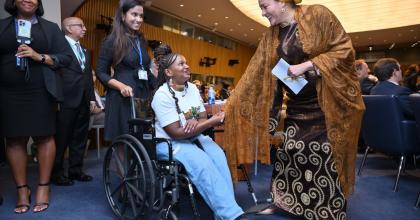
column 338, row 90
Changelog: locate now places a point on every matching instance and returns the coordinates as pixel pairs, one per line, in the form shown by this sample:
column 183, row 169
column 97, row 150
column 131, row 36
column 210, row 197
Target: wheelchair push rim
column 129, row 178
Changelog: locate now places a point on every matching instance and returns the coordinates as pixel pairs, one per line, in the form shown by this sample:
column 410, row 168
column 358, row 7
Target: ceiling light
column 252, row 29
column 181, row 5
column 239, row 24
column 199, row 15
column 231, row 29
column 415, row 44
column 392, row 46
column 245, row 35
column 352, row 14
column 215, row 23
column 212, row 9
column 226, row 17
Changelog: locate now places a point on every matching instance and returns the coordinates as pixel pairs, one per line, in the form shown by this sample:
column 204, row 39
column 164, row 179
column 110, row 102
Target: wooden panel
column 192, row 49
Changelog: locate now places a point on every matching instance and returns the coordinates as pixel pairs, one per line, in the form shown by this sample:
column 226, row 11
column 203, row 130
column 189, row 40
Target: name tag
column 142, row 74
column 182, row 119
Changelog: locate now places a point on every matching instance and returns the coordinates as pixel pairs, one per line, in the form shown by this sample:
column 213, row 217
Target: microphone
column 23, row 36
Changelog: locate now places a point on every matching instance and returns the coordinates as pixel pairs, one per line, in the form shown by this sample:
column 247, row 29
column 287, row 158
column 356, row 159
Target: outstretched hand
column 218, row 118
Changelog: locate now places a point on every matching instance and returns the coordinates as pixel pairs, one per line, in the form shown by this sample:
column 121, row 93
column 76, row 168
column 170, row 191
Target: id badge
column 182, row 119
column 142, row 74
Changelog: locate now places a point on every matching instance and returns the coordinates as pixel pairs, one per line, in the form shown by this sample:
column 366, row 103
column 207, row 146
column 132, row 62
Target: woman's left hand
column 190, row 125
column 26, row 51
column 299, row 69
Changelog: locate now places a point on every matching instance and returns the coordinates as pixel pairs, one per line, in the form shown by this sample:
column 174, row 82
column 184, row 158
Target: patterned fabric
column 305, row 180
column 329, row 48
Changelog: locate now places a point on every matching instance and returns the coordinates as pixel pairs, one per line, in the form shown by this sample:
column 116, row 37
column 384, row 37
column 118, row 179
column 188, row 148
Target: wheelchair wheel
column 165, row 215
column 129, row 178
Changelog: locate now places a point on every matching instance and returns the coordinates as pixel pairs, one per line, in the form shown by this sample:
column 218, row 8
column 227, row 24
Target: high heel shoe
column 45, row 205
column 27, row 206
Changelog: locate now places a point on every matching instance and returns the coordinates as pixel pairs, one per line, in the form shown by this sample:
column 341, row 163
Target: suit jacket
column 402, row 93
column 366, row 85
column 77, row 83
column 58, row 49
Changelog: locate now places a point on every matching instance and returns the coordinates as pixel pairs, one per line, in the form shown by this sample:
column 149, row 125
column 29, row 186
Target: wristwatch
column 42, row 58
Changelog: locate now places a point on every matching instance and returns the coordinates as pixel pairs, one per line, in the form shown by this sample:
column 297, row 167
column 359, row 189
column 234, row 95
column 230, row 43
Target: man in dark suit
column 389, row 74
column 79, row 100
column 367, row 81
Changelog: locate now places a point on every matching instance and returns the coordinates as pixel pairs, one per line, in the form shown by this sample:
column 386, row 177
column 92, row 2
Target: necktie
column 81, row 56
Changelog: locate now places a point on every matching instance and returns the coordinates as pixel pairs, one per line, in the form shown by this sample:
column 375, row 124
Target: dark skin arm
column 26, row 51
column 194, row 127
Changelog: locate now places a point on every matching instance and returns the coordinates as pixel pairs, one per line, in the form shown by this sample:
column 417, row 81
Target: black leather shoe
column 61, row 181
column 82, row 177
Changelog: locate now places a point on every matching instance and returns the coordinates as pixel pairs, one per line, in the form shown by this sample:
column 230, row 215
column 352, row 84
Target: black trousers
column 72, row 132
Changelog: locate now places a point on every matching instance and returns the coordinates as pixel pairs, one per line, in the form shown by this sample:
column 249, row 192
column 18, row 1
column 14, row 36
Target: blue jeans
column 208, row 171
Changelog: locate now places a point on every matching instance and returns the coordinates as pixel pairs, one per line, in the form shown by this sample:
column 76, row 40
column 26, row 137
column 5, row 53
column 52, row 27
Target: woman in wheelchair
column 181, row 118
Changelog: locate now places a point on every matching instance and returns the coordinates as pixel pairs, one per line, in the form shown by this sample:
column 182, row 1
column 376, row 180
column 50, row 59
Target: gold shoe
column 268, row 211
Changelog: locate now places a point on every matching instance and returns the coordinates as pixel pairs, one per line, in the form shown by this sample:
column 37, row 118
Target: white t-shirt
column 164, row 106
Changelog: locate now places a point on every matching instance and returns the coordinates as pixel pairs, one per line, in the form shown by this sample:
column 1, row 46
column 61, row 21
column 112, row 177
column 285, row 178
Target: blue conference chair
column 415, row 104
column 385, row 130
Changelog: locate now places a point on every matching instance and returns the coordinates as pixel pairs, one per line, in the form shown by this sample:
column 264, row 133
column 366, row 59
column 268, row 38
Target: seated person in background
column 410, row 77
column 389, row 74
column 224, row 92
column 367, row 81
column 201, row 89
column 180, row 117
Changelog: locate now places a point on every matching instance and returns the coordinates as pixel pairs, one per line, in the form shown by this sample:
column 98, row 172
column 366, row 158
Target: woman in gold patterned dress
column 314, row 168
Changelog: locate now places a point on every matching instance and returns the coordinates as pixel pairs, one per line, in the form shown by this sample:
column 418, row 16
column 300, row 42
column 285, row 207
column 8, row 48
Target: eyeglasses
column 79, row 25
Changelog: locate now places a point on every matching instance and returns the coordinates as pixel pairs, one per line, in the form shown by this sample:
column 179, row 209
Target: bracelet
column 43, row 58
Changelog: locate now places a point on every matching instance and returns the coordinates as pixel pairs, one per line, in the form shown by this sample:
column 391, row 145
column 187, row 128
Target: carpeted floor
column 373, row 198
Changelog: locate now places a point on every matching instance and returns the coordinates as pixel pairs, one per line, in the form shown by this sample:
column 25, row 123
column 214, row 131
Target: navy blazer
column 77, row 83
column 402, row 93
column 58, row 49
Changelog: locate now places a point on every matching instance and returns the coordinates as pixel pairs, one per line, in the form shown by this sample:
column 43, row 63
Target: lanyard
column 138, row 49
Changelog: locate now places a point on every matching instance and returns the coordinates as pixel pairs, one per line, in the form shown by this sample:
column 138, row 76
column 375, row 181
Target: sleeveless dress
column 305, row 180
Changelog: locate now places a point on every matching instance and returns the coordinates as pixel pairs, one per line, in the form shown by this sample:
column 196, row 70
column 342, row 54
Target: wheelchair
column 137, row 184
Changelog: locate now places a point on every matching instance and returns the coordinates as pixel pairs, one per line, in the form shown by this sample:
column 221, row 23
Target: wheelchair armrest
column 160, row 140
column 140, row 122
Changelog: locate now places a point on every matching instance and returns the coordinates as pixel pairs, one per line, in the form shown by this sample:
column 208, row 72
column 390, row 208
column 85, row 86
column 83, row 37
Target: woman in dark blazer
column 124, row 50
column 29, row 97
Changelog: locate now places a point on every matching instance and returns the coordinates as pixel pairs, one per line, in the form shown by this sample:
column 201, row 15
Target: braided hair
column 165, row 58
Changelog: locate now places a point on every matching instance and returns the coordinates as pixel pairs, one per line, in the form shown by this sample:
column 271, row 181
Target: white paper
column 280, row 71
